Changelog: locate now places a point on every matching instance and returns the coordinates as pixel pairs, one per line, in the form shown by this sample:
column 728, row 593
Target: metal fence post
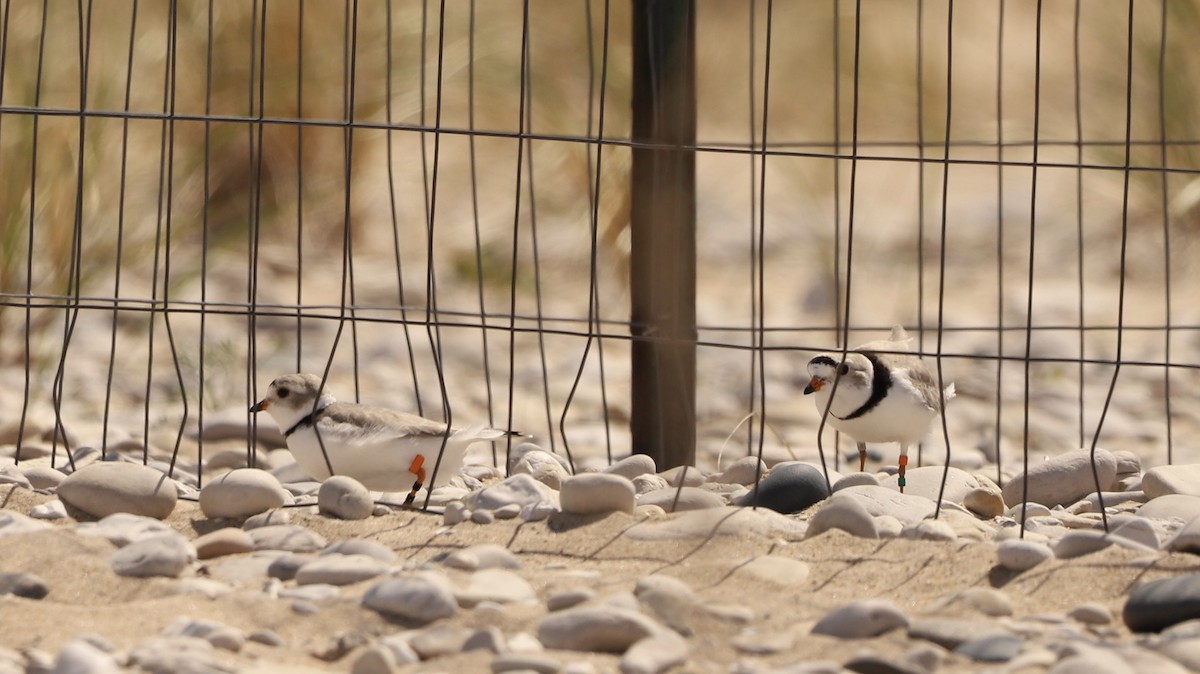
column 663, row 232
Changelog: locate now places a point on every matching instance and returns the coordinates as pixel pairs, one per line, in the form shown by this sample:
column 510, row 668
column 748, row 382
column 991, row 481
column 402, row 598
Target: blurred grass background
column 224, row 140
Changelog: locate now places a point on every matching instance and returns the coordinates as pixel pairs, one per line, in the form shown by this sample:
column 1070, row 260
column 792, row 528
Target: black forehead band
column 824, row 360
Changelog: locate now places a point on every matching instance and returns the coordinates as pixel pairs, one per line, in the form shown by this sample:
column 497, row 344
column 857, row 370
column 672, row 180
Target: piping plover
column 381, row 448
column 881, row 397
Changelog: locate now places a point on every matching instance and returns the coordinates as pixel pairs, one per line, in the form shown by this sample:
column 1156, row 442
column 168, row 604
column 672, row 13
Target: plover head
column 290, row 398
column 853, row 373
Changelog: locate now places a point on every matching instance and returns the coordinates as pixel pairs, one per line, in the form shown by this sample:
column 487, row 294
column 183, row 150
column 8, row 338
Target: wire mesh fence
column 429, row 204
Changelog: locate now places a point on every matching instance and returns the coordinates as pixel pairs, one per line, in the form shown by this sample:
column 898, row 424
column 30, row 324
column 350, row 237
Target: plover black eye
column 283, row 393
column 844, row 369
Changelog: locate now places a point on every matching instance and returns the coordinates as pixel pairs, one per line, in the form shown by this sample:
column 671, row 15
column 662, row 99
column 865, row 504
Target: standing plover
column 381, row 448
column 881, row 397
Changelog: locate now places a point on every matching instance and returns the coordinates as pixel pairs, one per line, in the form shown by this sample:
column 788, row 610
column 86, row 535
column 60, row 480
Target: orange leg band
column 417, row 467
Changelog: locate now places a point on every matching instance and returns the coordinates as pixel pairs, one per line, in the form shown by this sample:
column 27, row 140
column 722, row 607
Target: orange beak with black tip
column 814, row 384
column 259, row 406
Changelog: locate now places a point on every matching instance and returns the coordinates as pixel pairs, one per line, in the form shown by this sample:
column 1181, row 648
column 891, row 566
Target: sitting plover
column 381, row 448
column 880, row 397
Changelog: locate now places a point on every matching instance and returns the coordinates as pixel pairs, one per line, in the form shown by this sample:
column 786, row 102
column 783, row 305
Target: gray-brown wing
column 356, row 424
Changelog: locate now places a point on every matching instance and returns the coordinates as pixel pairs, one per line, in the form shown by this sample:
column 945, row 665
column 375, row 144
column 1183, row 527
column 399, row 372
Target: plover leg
column 903, row 465
column 862, row 456
column 417, row 467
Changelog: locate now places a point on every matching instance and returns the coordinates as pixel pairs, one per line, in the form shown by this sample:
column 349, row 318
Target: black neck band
column 880, row 383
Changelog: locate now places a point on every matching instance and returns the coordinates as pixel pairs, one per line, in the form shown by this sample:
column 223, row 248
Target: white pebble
column 596, row 628
column 166, row 554
column 345, row 498
column 418, row 598
column 597, row 494
column 241, row 493
column 1016, row 554
column 862, row 620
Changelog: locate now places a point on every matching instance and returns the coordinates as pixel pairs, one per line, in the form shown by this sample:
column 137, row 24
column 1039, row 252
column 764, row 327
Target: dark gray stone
column 788, row 488
column 1158, row 604
column 992, row 648
column 23, row 584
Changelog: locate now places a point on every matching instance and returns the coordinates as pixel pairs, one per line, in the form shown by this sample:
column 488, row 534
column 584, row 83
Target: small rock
column 1063, row 479
column 856, row 480
column 454, row 513
column 929, row 530
column 881, row 501
column 688, row 476
column 219, row 635
column 226, row 541
column 488, row 638
column 13, row 475
column 181, row 655
column 568, row 598
column 287, row 537
column 44, row 477
column 495, row 585
column 985, row 600
column 22, row 584
column 284, row 567
column 12, row 523
column 1091, row 613
column 166, row 554
column 1079, row 543
column 266, row 637
column 1172, row 479
column 676, row 499
column 81, row 657
column 597, row 494
column 317, row 592
column 482, row 556
column 340, row 570
column 417, row 598
column 777, row 570
column 543, row 467
column 789, row 488
column 632, row 466
column 508, row 512
column 985, row 502
column 1019, row 555
column 109, row 487
column 121, row 529
column 655, row 654
column 524, row 662
column 926, row 482
column 745, row 471
column 843, row 511
column 1182, row 506
column 644, row 484
column 596, row 628
column 345, row 498
column 361, row 546
column 521, row 489
column 950, row 633
column 1157, row 604
column 241, row 493
column 862, row 619
column 669, row 599
column 1139, row 530
column 375, row 660
column 269, row 518
column 992, row 648
column 483, row 516
column 50, row 510
column 439, row 640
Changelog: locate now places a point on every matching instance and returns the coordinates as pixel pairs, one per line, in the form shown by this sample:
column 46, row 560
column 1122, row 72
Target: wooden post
column 663, row 232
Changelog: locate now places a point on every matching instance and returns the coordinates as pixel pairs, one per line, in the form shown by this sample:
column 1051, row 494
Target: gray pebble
column 950, row 633
column 655, row 654
column 121, row 529
column 674, row 499
column 610, row 629
column 287, row 537
column 488, row 638
column 1018, row 555
column 1091, row 613
column 518, row 662
column 23, row 584
column 632, row 466
column 219, row 635
column 597, row 494
column 495, row 585
column 1157, row 604
column 1079, row 543
column 166, row 554
column 284, row 567
column 992, row 648
column 419, row 598
column 482, row 556
column 81, row 657
column 340, row 570
column 483, row 516
column 345, row 498
column 846, row 512
column 862, row 619
column 241, row 493
column 790, row 487
column 568, row 598
column 311, row 593
column 454, row 513
column 438, row 640
column 271, row 517
column 745, row 471
column 109, row 487
column 521, row 489
column 44, row 477
column 1063, row 479
column 361, row 546
column 375, row 659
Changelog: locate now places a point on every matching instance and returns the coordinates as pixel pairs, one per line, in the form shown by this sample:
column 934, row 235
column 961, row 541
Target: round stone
column 606, row 628
column 166, row 554
column 241, row 493
column 789, row 488
column 597, row 494
column 1155, row 605
column 862, row 620
column 418, row 598
column 108, row 487
column 345, row 498
column 632, row 466
column 1018, row 555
